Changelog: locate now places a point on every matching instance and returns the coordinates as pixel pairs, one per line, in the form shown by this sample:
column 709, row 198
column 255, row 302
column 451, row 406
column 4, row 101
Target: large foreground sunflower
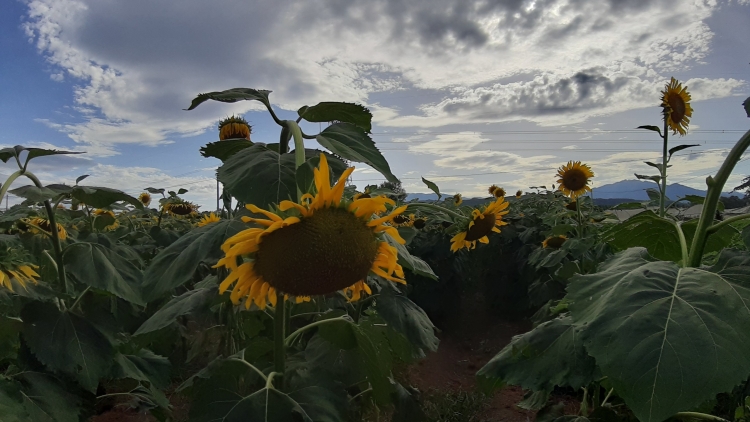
column 677, row 110
column 574, row 179
column 483, row 223
column 321, row 245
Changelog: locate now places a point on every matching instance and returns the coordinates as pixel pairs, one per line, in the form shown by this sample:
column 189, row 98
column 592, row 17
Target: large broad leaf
column 716, row 241
column 352, row 143
column 99, row 197
column 34, row 193
column 551, row 355
column 176, row 264
column 407, row 318
column 185, row 304
column 40, row 152
column 225, row 149
column 232, row 96
column 260, row 176
column 46, row 399
column 648, row 230
column 411, row 262
column 143, row 365
column 338, row 112
column 67, row 343
column 102, row 268
column 667, row 337
column 11, row 402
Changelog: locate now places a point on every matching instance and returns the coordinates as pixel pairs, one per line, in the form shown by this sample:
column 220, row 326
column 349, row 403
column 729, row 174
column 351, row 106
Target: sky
column 464, row 93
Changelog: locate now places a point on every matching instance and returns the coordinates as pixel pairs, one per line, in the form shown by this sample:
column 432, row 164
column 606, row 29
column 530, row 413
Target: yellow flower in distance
column 675, row 101
column 457, row 199
column 208, row 219
column 496, row 191
column 519, row 193
column 482, row 224
column 554, row 242
column 43, row 223
column 106, row 213
column 403, row 220
column 319, row 246
column 574, row 179
column 145, row 199
column 234, row 127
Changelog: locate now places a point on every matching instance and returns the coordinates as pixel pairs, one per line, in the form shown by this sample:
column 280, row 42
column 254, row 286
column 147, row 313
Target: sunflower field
column 307, row 299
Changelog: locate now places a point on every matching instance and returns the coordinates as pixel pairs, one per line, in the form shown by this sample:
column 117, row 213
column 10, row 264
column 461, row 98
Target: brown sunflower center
column 419, row 223
column 44, row 225
column 181, row 209
column 325, row 252
column 401, row 219
column 677, row 106
column 481, row 228
column 575, row 179
column 555, row 242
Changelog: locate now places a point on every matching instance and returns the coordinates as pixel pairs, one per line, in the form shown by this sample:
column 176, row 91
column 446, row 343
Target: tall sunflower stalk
column 676, row 111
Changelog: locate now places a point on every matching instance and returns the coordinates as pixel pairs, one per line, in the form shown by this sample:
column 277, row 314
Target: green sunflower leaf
column 67, row 343
column 11, row 402
column 551, row 355
column 680, row 148
column 99, row 197
column 185, row 304
column 47, row 399
column 34, row 193
column 40, row 152
column 411, row 262
column 338, row 112
column 143, row 365
column 80, row 178
column 353, row 143
column 177, row 264
column 104, row 269
column 667, row 337
column 650, row 127
column 407, row 318
column 224, row 149
column 656, row 179
column 232, row 96
column 305, row 176
column 746, row 104
column 433, row 187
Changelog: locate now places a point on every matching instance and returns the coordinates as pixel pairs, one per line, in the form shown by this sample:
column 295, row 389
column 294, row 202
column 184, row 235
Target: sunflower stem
column 715, row 185
column 290, row 339
column 438, row 208
column 9, row 181
column 53, row 229
column 665, row 152
column 279, row 352
column 299, row 149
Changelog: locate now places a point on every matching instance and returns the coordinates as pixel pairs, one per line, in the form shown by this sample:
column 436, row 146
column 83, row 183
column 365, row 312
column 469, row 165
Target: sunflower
column 482, row 224
column 574, row 179
column 554, row 242
column 180, row 207
column 145, row 199
column 573, row 206
column 22, row 273
column 675, row 101
column 43, row 224
column 496, row 191
column 457, row 199
column 519, row 193
column 419, row 223
column 234, row 127
column 106, row 214
column 403, row 220
column 208, row 219
column 318, row 246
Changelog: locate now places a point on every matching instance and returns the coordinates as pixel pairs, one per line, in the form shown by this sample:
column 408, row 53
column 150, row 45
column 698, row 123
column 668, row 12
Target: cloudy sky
column 465, row 93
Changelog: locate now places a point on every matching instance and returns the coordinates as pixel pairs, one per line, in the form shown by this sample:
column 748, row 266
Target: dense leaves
column 407, row 318
column 667, row 337
column 185, row 304
column 97, row 266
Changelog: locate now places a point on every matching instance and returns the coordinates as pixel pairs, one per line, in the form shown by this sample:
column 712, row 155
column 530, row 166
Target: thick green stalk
column 294, row 335
column 12, row 178
column 53, row 229
column 683, row 242
column 665, row 154
column 715, row 186
column 727, row 222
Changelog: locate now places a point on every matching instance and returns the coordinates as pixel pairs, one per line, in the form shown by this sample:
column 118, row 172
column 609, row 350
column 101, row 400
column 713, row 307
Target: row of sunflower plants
column 656, row 330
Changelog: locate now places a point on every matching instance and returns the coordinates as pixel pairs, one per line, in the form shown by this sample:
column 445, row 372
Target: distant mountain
column 636, row 190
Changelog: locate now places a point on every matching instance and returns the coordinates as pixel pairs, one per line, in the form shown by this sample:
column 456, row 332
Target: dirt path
column 467, row 342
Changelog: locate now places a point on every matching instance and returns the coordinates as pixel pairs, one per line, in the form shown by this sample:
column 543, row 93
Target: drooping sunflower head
column 419, row 223
column 675, row 100
column 519, row 193
column 16, row 269
column 109, row 219
column 234, row 127
column 572, row 205
column 180, row 207
column 554, row 242
column 402, row 220
column 36, row 224
column 208, row 219
column 318, row 246
column 145, row 199
column 496, row 191
column 483, row 222
column 457, row 199
column 574, row 179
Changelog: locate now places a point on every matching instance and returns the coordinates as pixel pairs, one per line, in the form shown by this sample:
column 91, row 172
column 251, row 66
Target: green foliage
column 232, row 96
column 99, row 267
column 187, row 303
column 355, row 114
column 408, row 319
column 225, row 149
column 433, row 187
column 353, row 143
column 667, row 337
